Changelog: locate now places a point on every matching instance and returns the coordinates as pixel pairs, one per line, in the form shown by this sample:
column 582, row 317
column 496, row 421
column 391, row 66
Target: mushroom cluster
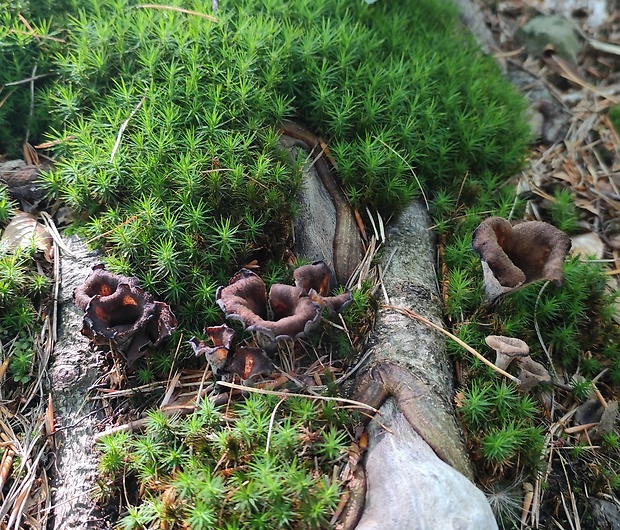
column 510, row 349
column 287, row 314
column 118, row 311
column 293, row 311
column 223, row 357
column 514, row 256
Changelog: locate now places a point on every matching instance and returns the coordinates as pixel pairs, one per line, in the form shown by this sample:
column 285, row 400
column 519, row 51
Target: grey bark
column 417, row 469
column 74, row 370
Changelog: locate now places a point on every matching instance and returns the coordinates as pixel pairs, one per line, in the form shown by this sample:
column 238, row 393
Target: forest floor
column 574, row 106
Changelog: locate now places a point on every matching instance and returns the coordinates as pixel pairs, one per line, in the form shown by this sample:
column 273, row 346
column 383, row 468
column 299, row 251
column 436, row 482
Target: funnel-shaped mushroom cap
column 513, row 256
column 244, row 299
column 99, row 282
column 532, row 373
column 216, row 356
column 506, row 349
column 250, row 362
column 130, row 317
column 294, row 315
column 316, row 276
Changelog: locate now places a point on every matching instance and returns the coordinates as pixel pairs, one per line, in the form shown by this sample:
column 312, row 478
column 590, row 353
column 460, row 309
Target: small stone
column 555, row 30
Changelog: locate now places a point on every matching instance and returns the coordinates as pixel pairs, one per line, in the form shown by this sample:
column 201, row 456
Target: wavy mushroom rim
column 129, row 317
column 515, row 256
column 295, row 310
column 507, row 349
column 99, row 282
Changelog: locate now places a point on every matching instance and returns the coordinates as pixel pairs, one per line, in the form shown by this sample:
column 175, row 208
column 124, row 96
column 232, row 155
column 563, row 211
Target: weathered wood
column 417, row 469
column 73, row 371
column 325, row 227
column 410, row 487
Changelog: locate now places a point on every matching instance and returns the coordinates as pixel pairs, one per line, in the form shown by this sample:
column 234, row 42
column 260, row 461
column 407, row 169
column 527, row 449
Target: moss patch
column 198, row 185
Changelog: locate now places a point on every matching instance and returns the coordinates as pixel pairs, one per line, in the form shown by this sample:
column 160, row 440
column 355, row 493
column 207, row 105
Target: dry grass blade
column 410, row 169
column 293, row 394
column 178, row 9
column 6, row 465
column 171, row 388
column 271, row 420
column 119, row 136
column 420, row 318
column 3, row 101
column 3, row 368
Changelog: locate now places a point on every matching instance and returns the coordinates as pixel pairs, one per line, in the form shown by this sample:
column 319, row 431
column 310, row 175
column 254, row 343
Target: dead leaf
column 22, row 230
column 587, row 245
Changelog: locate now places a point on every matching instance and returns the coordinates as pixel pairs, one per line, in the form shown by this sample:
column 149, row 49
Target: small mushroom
column 100, row 282
column 532, row 373
column 514, row 256
column 506, row 349
column 216, row 356
column 248, row 363
column 118, row 310
column 316, row 276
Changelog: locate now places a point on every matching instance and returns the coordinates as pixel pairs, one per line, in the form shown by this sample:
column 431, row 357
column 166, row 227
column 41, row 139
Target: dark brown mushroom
column 249, row 363
column 294, row 315
column 506, row 349
column 316, row 276
column 121, row 312
column 100, row 282
column 532, row 373
column 315, row 280
column 244, row 298
column 514, row 256
column 216, row 356
column 296, row 310
column 335, row 304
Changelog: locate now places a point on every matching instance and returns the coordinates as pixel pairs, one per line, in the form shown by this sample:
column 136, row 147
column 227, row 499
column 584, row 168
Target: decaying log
column 417, row 470
column 325, row 228
column 73, row 371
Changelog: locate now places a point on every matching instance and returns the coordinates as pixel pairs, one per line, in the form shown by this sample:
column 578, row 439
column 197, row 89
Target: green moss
column 614, row 116
column 204, row 472
column 22, row 290
column 198, row 184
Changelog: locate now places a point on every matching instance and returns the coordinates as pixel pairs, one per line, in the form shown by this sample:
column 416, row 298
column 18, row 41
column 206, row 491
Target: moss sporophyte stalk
column 198, row 186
